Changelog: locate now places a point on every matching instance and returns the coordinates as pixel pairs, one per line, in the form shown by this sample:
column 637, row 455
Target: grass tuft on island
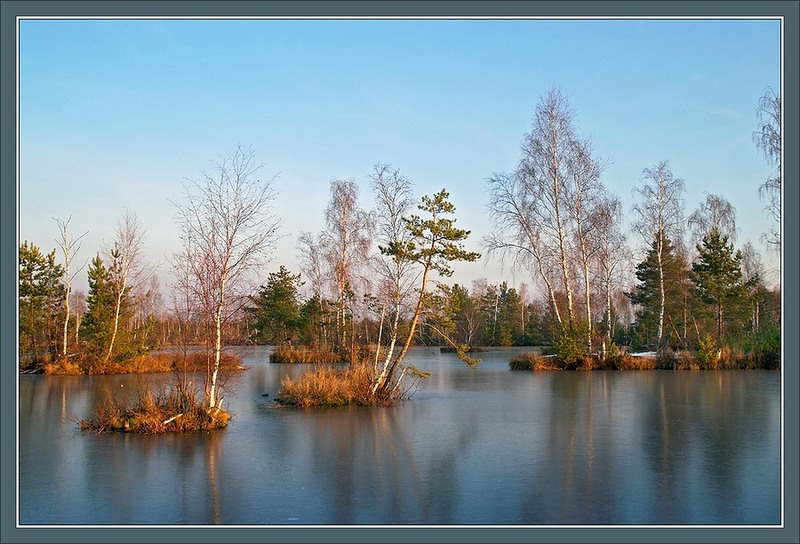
column 291, row 354
column 330, row 385
column 173, row 409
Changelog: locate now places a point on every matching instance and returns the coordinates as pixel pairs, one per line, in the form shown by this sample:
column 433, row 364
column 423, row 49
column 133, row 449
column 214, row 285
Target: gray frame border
column 9, row 10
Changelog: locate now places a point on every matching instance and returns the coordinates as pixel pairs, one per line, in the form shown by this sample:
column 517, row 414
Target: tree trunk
column 663, row 296
column 212, row 391
column 563, row 252
column 588, row 305
column 407, row 344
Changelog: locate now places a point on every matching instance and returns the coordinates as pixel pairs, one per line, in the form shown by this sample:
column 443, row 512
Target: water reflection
column 489, row 446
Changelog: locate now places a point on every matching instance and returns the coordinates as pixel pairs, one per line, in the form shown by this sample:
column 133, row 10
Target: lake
column 488, row 446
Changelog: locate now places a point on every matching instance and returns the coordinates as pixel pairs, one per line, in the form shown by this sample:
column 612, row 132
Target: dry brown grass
column 328, row 385
column 532, row 360
column 139, row 364
column 626, row 361
column 64, row 366
column 171, row 410
column 291, row 354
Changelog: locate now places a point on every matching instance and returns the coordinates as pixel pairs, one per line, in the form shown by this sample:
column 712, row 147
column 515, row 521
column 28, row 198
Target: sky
column 118, row 114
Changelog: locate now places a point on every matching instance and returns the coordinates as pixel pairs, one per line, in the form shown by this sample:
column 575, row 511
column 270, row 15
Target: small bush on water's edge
column 171, row 410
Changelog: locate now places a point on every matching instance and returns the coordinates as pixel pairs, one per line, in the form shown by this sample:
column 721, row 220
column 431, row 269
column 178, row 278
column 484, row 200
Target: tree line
column 381, row 276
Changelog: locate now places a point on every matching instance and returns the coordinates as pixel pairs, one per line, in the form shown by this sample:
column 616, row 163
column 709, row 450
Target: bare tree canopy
column 542, row 213
column 227, row 229
column 715, row 214
column 69, row 247
column 659, row 210
column 125, row 258
column 767, row 138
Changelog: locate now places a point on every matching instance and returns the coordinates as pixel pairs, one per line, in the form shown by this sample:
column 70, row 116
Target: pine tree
column 276, row 308
column 41, row 301
column 434, row 243
column 647, row 294
column 98, row 322
column 717, row 272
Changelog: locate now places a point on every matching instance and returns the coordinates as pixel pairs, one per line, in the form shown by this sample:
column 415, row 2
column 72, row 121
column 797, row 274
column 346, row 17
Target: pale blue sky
column 116, row 113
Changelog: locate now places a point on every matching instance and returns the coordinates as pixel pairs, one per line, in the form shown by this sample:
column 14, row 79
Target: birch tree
column 714, row 214
column 69, row 247
column 313, row 265
column 767, row 138
column 612, row 251
column 540, row 213
column 517, row 233
column 393, row 201
column 659, row 216
column 346, row 240
column 124, row 259
column 227, row 228
column 584, row 197
column 547, row 151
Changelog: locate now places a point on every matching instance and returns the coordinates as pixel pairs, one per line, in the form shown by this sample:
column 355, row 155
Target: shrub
column 63, row 366
column 708, row 353
column 764, row 349
column 569, row 348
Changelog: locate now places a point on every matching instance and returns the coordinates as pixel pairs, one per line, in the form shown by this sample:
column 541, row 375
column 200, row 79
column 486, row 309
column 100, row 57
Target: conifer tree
column 276, row 308
column 41, row 300
column 434, row 243
column 98, row 322
column 717, row 272
column 647, row 293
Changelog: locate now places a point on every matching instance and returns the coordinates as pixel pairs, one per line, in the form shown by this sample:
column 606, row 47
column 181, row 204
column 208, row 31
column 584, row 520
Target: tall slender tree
column 612, row 254
column 767, row 138
column 541, row 213
column 227, row 228
column 346, row 242
column 69, row 247
column 393, row 202
column 125, row 258
column 659, row 217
